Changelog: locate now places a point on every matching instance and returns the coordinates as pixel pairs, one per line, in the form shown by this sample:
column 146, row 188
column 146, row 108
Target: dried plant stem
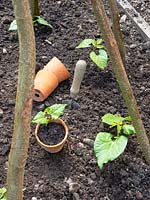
column 20, row 141
column 121, row 76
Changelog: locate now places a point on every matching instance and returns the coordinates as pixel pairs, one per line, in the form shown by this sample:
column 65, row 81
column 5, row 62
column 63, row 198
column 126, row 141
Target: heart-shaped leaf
column 128, row 118
column 13, row 26
column 106, row 149
column 40, row 118
column 112, row 119
column 101, row 59
column 41, row 21
column 128, row 129
column 99, row 41
column 55, row 110
column 85, row 43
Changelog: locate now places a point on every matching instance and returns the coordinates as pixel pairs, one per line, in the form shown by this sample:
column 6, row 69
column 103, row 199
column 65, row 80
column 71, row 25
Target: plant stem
column 116, row 28
column 21, row 133
column 121, row 76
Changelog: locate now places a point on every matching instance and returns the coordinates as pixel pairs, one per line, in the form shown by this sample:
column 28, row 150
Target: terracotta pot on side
column 47, row 79
column 44, row 84
column 57, row 67
column 53, row 148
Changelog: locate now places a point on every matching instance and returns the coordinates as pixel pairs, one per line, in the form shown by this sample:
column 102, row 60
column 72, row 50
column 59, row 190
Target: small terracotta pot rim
column 59, row 121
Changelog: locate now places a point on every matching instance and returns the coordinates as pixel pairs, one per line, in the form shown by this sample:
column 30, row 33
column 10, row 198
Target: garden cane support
column 121, row 76
column 20, row 141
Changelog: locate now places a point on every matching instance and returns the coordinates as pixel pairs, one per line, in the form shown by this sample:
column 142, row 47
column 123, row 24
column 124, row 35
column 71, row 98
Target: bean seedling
column 50, row 113
column 36, row 20
column 99, row 59
column 108, row 147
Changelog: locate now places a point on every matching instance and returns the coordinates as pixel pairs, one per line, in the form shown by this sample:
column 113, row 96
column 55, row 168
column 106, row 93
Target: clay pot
column 53, row 148
column 57, row 67
column 44, row 84
column 47, row 79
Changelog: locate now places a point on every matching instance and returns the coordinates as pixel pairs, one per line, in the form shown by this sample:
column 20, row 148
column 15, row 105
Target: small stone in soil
column 51, row 134
column 75, row 105
column 34, row 198
column 4, row 51
column 88, row 142
column 1, row 73
column 1, row 112
column 74, row 187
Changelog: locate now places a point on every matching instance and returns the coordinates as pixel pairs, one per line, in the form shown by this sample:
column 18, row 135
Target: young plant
column 3, row 193
column 99, row 59
column 108, row 147
column 50, row 113
column 36, row 20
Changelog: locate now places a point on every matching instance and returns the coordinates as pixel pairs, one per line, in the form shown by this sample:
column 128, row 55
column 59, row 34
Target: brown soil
column 51, row 134
column 47, row 175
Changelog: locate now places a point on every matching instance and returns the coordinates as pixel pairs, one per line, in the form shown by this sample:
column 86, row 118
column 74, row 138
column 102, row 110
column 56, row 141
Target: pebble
column 132, row 46
column 76, row 196
column 1, row 73
column 1, row 112
column 80, row 145
column 123, row 18
column 47, row 103
column 34, row 198
column 93, row 176
column 115, row 91
column 142, row 88
column 11, row 101
column 4, row 51
column 75, row 105
column 74, row 187
column 72, row 104
column 36, row 187
column 90, row 181
column 88, row 141
column 41, row 107
column 79, row 152
column 139, row 195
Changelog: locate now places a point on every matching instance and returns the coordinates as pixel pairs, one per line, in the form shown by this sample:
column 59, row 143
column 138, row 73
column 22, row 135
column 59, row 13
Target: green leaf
column 106, row 149
column 112, row 119
column 128, row 118
column 55, row 111
column 13, row 26
column 101, row 59
column 85, row 43
column 100, row 46
column 3, row 193
column 40, row 118
column 96, row 43
column 41, row 21
column 128, row 129
column 99, row 41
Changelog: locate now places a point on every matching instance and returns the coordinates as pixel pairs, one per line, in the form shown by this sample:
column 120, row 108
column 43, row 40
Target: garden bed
column 47, row 175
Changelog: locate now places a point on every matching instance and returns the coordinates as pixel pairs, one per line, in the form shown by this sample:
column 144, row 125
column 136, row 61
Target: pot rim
column 59, row 121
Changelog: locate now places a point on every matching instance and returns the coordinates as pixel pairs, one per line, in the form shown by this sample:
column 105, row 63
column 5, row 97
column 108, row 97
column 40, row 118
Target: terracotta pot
column 57, row 67
column 44, row 84
column 53, row 148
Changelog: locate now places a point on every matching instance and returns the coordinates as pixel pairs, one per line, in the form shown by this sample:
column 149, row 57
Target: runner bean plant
column 107, row 146
column 98, row 54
